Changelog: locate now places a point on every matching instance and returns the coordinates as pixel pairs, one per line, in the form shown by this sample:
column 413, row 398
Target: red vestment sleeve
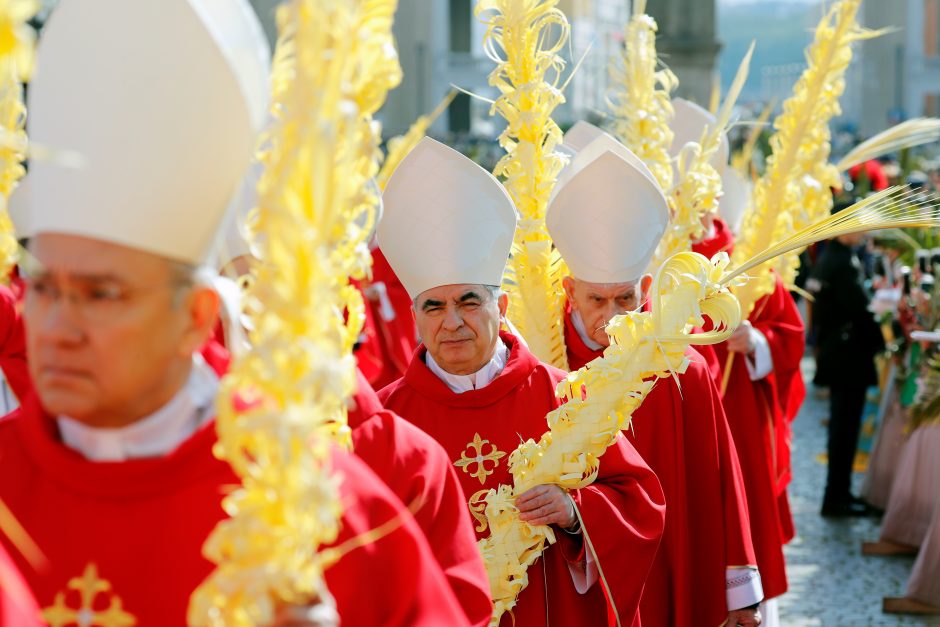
column 624, row 513
column 418, row 471
column 394, row 581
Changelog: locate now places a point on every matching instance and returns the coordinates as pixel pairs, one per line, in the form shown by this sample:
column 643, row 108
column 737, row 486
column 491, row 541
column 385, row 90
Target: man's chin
column 455, row 363
column 59, row 402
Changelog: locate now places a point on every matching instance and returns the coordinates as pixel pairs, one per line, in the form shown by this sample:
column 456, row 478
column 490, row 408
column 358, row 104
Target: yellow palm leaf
column 793, row 192
column 283, row 403
column 525, row 39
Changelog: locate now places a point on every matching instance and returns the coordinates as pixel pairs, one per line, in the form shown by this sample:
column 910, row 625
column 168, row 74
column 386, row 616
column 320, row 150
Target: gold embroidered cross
column 89, row 587
column 479, row 458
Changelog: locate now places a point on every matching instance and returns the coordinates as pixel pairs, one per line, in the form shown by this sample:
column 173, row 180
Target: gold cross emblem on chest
column 479, row 458
column 89, row 588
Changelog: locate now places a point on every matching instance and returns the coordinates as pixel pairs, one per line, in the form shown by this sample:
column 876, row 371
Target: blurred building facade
column 440, row 44
column 896, row 76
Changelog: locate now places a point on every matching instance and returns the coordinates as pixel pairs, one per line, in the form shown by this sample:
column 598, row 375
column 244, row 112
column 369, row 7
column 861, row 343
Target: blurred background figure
column 848, row 338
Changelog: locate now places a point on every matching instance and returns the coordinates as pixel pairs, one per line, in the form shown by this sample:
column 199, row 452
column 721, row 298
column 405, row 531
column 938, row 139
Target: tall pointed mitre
column 607, row 213
column 688, row 124
column 151, row 110
column 446, row 221
column 735, row 198
column 578, row 136
column 585, row 142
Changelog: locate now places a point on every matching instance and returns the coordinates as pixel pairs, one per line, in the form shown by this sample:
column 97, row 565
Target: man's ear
column 646, row 281
column 503, row 303
column 568, row 284
column 202, row 304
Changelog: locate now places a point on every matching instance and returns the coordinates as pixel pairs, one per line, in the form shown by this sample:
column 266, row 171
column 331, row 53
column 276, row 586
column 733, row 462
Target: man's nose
column 452, row 319
column 60, row 322
column 612, row 309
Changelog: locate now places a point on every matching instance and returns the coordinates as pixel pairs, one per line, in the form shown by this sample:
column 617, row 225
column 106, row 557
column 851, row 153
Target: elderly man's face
column 459, row 325
column 110, row 330
column 597, row 303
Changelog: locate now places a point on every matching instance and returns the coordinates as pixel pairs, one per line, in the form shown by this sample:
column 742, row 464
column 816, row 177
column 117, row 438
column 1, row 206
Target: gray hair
column 494, row 292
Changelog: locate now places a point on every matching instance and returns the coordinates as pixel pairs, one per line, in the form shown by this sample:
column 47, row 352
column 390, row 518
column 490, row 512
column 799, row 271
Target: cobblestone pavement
column 831, row 583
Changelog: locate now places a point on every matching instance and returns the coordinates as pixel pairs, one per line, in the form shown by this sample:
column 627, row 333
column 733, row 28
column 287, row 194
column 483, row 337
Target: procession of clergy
column 108, row 464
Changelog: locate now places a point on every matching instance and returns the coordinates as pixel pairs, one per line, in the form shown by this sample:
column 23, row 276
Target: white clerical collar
column 582, row 332
column 154, row 436
column 460, row 383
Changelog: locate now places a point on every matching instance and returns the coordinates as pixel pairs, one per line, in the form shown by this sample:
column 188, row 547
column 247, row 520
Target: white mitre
column 688, row 124
column 607, row 214
column 446, row 221
column 158, row 104
column 585, row 142
column 578, row 137
column 735, row 199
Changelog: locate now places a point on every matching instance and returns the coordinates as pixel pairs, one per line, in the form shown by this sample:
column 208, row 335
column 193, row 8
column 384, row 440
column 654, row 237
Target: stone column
column 687, row 43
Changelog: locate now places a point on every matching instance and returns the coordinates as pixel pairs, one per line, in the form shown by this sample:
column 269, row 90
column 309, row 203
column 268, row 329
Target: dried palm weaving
column 794, row 190
column 641, row 112
column 283, row 404
column 907, row 134
column 640, row 101
column 17, row 50
column 524, row 38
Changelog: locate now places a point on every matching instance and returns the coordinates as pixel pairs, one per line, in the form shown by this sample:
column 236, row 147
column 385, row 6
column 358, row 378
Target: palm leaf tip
column 907, row 134
column 895, row 207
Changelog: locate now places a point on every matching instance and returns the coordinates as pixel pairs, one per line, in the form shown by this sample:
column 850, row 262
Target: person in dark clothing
column 848, row 340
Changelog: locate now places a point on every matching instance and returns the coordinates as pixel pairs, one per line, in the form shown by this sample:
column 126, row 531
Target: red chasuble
column 684, row 436
column 124, row 539
column 758, row 414
column 419, row 472
column 622, row 511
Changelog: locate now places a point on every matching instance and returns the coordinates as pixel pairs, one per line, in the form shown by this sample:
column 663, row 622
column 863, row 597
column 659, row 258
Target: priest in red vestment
column 606, row 217
column 447, row 230
column 109, row 467
column 763, row 392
